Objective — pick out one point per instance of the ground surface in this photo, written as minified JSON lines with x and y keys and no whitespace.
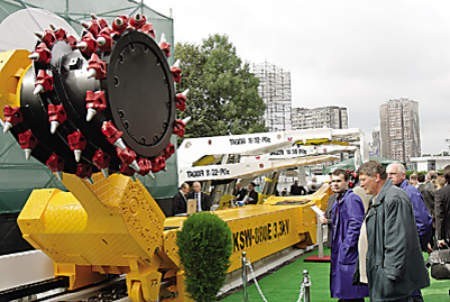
{"x":283,"y":285}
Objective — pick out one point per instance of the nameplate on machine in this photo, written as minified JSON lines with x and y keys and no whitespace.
{"x":260,"y":234}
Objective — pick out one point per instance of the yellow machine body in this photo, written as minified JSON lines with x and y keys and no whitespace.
{"x":114,"y":226}
{"x":13,"y":65}
{"x":111,"y":227}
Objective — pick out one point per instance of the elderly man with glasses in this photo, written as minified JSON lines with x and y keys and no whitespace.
{"x":397,"y":174}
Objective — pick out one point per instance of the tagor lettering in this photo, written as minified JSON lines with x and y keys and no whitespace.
{"x":237,"y":141}
{"x":194,"y":174}
{"x":208,"y":172}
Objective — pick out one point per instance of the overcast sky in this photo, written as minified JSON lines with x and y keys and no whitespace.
{"x":353,"y":53}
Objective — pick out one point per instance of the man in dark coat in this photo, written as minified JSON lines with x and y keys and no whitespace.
{"x":328,"y":221}
{"x":239,"y":192}
{"x":203,"y":199}
{"x":179,"y":200}
{"x":395,"y":265}
{"x":296,"y":189}
{"x":426,"y":188}
{"x":442,"y":212}
{"x":347,"y":214}
{"x":252,"y":196}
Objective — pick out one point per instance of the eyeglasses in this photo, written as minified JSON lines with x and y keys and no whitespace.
{"x":393,"y":173}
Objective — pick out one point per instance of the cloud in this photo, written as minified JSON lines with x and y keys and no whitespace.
{"x":354,"y":53}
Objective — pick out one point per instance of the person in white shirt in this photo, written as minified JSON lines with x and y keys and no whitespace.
{"x":203,"y":199}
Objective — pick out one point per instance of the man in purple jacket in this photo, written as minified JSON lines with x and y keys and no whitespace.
{"x":347,"y":214}
{"x":397,"y":173}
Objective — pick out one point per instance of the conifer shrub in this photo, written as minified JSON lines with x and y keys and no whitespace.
{"x":204,"y":247}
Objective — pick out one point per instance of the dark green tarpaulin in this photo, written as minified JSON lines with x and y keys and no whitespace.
{"x":18,"y":177}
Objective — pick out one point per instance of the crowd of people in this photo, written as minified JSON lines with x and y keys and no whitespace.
{"x":380,"y":228}
{"x":203,"y":202}
{"x":180,"y":200}
{"x":296,"y":189}
{"x":242,"y":195}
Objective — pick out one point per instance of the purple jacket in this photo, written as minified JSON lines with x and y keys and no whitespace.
{"x":347,"y":214}
{"x":421,"y":214}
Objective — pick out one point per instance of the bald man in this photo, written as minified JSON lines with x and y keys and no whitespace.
{"x":203,"y":199}
{"x":397,"y":173}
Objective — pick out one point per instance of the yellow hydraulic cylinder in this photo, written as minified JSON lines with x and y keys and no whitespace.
{"x":13,"y":65}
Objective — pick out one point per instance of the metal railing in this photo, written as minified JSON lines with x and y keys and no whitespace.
{"x":305,"y":284}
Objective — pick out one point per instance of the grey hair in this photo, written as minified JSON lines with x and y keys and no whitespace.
{"x":399,"y":167}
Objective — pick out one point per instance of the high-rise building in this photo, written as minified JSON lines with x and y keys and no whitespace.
{"x":400,"y":130}
{"x":275,"y":90}
{"x":375,"y":144}
{"x":324,"y":117}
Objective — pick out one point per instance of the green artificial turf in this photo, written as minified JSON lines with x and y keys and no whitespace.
{"x":283,"y":285}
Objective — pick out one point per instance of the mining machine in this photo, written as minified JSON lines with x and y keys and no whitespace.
{"x":98,"y":110}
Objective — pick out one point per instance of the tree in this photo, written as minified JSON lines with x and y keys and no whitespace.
{"x":223,"y":95}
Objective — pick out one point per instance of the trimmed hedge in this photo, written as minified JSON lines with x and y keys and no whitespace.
{"x":205,"y":247}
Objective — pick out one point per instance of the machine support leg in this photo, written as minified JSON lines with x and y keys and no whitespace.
{"x":320,"y":236}
{"x":244,"y":276}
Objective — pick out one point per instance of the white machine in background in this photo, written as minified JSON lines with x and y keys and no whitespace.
{"x":250,"y":155}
